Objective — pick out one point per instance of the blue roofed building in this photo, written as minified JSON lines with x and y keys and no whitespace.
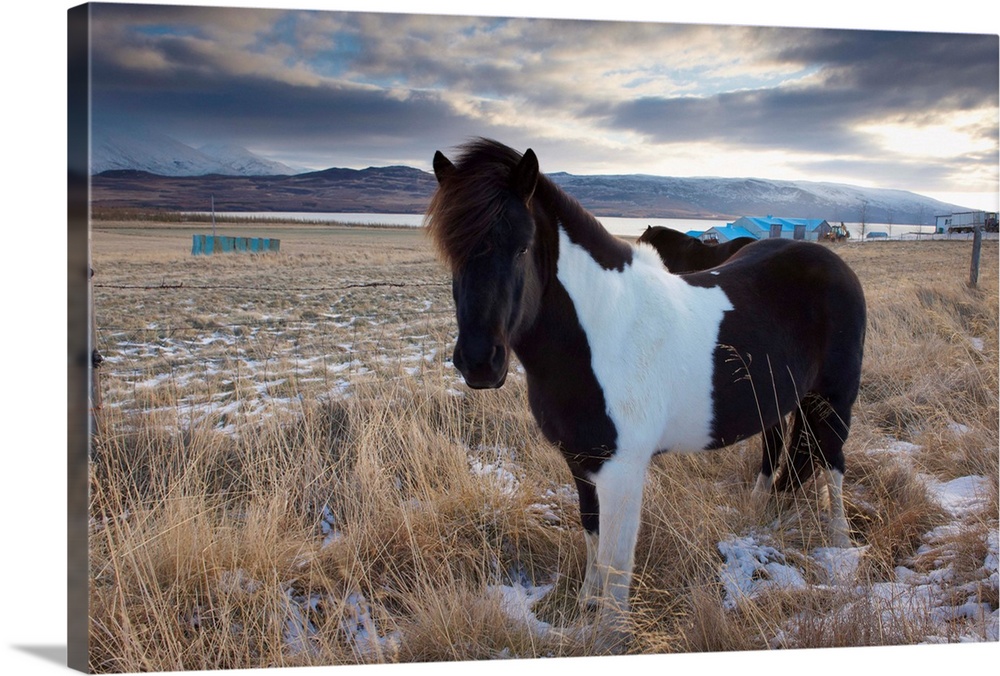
{"x":724,"y":234}
{"x":788,"y":228}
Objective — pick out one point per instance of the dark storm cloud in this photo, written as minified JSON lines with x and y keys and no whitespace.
{"x":861,"y":77}
{"x":793,"y":120}
{"x":256,"y":106}
{"x":934,"y":65}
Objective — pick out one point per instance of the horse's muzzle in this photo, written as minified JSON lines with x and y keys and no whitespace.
{"x":484,"y":365}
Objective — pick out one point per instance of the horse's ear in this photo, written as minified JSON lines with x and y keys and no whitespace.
{"x":525,"y":175}
{"x":443,"y":167}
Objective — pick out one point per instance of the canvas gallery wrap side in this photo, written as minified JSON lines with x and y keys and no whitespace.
{"x":380,"y":352}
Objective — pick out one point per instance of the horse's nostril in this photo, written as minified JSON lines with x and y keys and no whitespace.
{"x":499,"y":357}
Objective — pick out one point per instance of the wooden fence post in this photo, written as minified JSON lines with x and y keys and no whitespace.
{"x":95,"y":358}
{"x":977,"y":248}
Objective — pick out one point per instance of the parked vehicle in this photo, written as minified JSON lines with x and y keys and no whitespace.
{"x":967,"y":221}
{"x":837,"y":233}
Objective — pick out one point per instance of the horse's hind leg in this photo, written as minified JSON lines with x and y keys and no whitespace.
{"x":839,"y":528}
{"x":772,"y":446}
{"x":819,"y":434}
{"x":831,"y":431}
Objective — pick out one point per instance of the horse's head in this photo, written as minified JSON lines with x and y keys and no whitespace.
{"x":481,"y":221}
{"x":647,"y":234}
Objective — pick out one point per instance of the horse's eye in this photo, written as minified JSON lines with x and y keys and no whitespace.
{"x":522,"y":251}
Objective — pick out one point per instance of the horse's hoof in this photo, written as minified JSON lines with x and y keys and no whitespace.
{"x":568,"y":634}
{"x":596,"y":639}
{"x":841,"y":541}
{"x":760,"y":500}
{"x":610,"y":641}
{"x":589,"y":605}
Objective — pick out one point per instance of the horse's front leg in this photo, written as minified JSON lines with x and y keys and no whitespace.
{"x":619,"y":486}
{"x":590,"y":591}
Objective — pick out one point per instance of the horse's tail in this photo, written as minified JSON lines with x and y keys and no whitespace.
{"x":815,"y":427}
{"x":799,"y":466}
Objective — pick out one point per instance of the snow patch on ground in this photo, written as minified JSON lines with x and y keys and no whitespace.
{"x":933,"y":598}
{"x":305,"y":615}
{"x":752,"y":569}
{"x":962,"y":496}
{"x":516,"y":602}
{"x":496,"y":467}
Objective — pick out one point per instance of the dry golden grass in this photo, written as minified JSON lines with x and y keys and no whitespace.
{"x":287,"y":470}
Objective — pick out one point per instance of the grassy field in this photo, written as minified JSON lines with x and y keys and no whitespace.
{"x":288,"y":471}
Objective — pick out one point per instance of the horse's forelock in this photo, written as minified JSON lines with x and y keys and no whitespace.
{"x":469,"y":200}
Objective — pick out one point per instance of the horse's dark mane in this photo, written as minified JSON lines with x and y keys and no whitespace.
{"x":610,"y":252}
{"x":570,"y":211}
{"x":468,"y":202}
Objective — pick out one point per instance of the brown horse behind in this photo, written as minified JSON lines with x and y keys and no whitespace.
{"x":683,"y":253}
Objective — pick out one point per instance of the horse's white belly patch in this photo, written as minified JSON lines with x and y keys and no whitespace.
{"x":652,"y":337}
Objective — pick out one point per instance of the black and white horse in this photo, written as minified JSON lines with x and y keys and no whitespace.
{"x":625,"y":360}
{"x":683,"y":253}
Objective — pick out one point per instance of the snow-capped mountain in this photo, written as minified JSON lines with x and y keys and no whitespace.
{"x":243,"y":162}
{"x":642,"y":195}
{"x":160,"y":154}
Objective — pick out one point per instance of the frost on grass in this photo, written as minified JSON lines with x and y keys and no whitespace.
{"x":953,"y":605}
{"x":925,"y":592}
{"x":494,"y":466}
{"x":306,"y":618}
{"x":550,"y":507}
{"x":328,"y":527}
{"x":839,"y":565}
{"x":304,"y":625}
{"x":517,"y":600}
{"x":224,"y":375}
{"x":752,"y":569}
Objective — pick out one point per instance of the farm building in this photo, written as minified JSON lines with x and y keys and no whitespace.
{"x":790,"y":228}
{"x":724,"y":234}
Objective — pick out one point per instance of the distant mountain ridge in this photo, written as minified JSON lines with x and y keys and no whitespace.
{"x":156,"y":172}
{"x":722,"y":198}
{"x":372,"y":190}
{"x":113,"y":149}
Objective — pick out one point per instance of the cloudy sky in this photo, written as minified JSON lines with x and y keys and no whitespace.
{"x":314,"y":89}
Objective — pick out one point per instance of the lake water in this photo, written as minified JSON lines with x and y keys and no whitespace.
{"x":626,"y":227}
